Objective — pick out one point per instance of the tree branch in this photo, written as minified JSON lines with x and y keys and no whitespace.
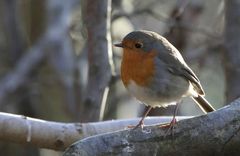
{"x":57,"y":28}
{"x":169,"y":21}
{"x":57,"y":135}
{"x":216,"y":133}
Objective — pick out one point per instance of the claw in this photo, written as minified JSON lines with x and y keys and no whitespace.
{"x":140,"y":124}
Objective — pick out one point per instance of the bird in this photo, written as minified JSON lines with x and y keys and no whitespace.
{"x":156,"y":74}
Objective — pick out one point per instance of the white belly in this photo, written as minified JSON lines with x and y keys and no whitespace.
{"x":149,"y":97}
{"x":146,"y":97}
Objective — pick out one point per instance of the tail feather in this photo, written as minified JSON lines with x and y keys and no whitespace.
{"x":203,"y":104}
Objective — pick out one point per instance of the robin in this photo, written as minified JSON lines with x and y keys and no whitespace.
{"x":154,"y":72}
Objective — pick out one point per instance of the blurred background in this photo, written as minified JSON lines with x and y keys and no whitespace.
{"x":57,"y":61}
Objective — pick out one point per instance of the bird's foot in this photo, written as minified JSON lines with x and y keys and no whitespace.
{"x":170,"y":127}
{"x":140,"y":124}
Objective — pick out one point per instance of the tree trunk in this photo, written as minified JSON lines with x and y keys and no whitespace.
{"x":232,"y":54}
{"x":96,"y":15}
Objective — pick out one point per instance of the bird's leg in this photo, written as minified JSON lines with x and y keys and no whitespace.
{"x":173,"y":121}
{"x":141,"y":124}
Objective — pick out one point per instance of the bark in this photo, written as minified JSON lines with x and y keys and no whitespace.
{"x":96,"y":15}
{"x":232,"y":54}
{"x":57,"y":135}
{"x":217,"y":133}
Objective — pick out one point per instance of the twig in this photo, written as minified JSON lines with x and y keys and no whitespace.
{"x":168,"y":21}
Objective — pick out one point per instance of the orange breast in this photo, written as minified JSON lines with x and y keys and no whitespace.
{"x":137,"y":66}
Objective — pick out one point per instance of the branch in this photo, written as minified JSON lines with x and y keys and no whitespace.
{"x":217,"y":133}
{"x":168,"y":21}
{"x":57,"y":135}
{"x":17,"y":77}
{"x":57,"y":27}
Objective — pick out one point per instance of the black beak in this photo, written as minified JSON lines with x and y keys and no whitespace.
{"x":118,"y":45}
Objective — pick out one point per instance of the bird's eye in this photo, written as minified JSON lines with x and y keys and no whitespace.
{"x":138,"y":45}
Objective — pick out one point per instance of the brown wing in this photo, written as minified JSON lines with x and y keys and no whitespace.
{"x":188,"y":73}
{"x":175,"y":63}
